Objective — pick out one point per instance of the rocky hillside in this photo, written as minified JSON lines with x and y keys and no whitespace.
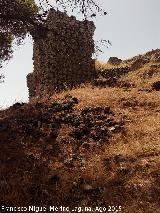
{"x":96,"y":146}
{"x":139,"y":72}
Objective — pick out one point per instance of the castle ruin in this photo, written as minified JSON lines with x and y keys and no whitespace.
{"x":63,"y":58}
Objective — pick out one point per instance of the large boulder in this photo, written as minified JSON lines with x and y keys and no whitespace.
{"x":114,"y":61}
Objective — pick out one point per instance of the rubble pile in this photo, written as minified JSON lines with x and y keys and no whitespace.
{"x":117,"y":73}
{"x":154,"y":55}
{"x":110,"y":77}
{"x":139,"y":63}
{"x":63,"y":58}
{"x":151,"y":71}
{"x":92,"y":125}
{"x":140,"y":60}
{"x":98,"y":148}
{"x":114,"y":61}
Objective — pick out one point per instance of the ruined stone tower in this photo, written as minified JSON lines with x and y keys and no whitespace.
{"x":63,"y":58}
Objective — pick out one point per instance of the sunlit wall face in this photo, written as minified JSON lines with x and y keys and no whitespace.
{"x":131,"y":26}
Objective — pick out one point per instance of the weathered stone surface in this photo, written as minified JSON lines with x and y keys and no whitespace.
{"x":137,"y":64}
{"x":114,"y":61}
{"x":115,"y":72}
{"x":156,"y":86}
{"x":110,"y":77}
{"x":62,"y":59}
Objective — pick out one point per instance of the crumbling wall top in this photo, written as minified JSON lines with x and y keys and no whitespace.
{"x":58,"y":20}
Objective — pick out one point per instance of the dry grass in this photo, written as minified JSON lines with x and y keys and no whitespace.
{"x":103,"y":65}
{"x":141,"y":141}
{"x":133,"y":182}
{"x":140,"y":78}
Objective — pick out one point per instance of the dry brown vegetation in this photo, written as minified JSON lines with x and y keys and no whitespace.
{"x":47,"y":160}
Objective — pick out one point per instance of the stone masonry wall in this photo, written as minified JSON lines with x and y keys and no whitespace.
{"x":63,"y":58}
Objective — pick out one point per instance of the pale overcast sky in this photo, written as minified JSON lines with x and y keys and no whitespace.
{"x":131,"y":25}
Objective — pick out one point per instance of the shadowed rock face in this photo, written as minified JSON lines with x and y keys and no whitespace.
{"x":114,"y":61}
{"x":64,"y":57}
{"x":156,"y":86}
